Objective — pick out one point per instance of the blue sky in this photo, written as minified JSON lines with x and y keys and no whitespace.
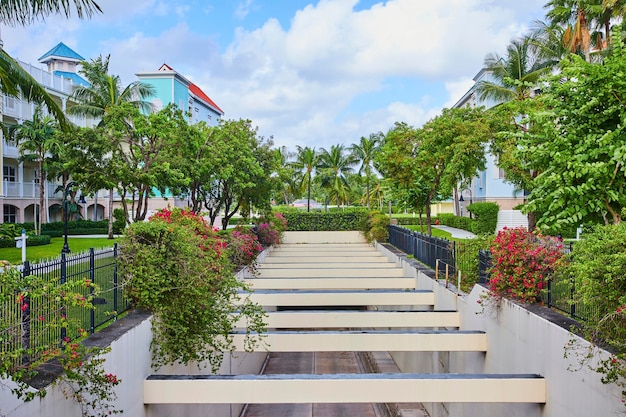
{"x":309,"y":73}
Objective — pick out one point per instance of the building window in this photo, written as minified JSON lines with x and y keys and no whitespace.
{"x":209,"y":117}
{"x":10,"y":214}
{"x":8,"y":173}
{"x":10,"y":102}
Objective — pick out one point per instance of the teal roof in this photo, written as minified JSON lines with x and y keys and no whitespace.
{"x":76,"y":79}
{"x":63,"y":51}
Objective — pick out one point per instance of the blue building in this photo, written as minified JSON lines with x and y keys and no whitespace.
{"x":173,"y":88}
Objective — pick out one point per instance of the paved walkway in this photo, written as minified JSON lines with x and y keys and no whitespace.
{"x":457,"y":233}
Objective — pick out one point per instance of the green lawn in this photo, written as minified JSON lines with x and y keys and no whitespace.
{"x":53,"y":250}
{"x":436,"y":232}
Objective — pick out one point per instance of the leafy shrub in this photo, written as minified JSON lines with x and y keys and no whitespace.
{"x":270,"y":228}
{"x":486,"y":215}
{"x":375,"y":227}
{"x":243,"y":246}
{"x":119,"y":221}
{"x":323,"y":221}
{"x":522,"y":262}
{"x":459,"y":222}
{"x":33,"y":240}
{"x":175,"y":266}
{"x":597,"y":268}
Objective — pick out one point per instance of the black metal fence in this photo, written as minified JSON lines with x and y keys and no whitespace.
{"x":431,"y":251}
{"x":560,"y":294}
{"x":27,"y":326}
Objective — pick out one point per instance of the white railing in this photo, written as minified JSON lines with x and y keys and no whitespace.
{"x":28,"y":189}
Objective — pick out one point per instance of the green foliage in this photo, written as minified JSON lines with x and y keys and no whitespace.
{"x":597,"y":269}
{"x":486,"y":215}
{"x":33,"y":240}
{"x":119,"y":224}
{"x":175,"y":266}
{"x":578,"y":143}
{"x":467,"y":258}
{"x":426,"y":164}
{"x":375,"y":227}
{"x":459,"y":222}
{"x":322,"y":221}
{"x":75,"y":227}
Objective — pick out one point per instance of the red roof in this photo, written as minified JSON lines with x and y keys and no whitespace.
{"x":196,"y":91}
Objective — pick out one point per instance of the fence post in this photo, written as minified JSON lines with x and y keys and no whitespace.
{"x":572,"y":308}
{"x":115,"y":289}
{"x":549,"y":292}
{"x":63,"y":308}
{"x":25,"y":318}
{"x":92,"y":279}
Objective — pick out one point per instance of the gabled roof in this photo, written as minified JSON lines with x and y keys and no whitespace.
{"x":63,"y":51}
{"x":196,"y":91}
{"x":76,"y":79}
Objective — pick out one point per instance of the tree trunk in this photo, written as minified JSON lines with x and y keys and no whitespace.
{"x":110,"y":213}
{"x":42,"y":195}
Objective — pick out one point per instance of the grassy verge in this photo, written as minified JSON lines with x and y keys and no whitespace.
{"x":53,"y":250}
{"x":436,"y":232}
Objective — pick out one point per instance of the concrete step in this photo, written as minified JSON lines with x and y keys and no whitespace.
{"x":328,"y":252}
{"x":372,"y":258}
{"x":368,"y":341}
{"x":380,"y":263}
{"x":276,"y":298}
{"x":308,"y":319}
{"x":324,"y":272}
{"x":314,"y":248}
{"x":343,"y":388}
{"x":330,"y":283}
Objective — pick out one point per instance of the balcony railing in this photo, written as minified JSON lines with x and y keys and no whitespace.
{"x":29,"y":189}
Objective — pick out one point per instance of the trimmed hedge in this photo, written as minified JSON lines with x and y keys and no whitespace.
{"x":465,"y":223}
{"x":324,"y":221}
{"x":33,"y":240}
{"x":486,"y":214}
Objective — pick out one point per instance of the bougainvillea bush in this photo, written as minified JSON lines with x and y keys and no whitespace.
{"x":522,"y":261}
{"x":176,"y":267}
{"x":243,"y":246}
{"x":39,"y":304}
{"x":270,"y":229}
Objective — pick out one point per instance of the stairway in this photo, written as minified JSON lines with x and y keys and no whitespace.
{"x":332,"y":292}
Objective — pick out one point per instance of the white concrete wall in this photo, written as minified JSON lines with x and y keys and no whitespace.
{"x":519,"y":342}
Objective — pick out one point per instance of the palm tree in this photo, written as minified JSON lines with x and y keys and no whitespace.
{"x":365,"y":151}
{"x":577,"y":16}
{"x":14,"y":80}
{"x":334,"y":165}
{"x":103,"y":94}
{"x":306,"y":161}
{"x":37,"y":140}
{"x":514,"y":75}
{"x":22,"y":13}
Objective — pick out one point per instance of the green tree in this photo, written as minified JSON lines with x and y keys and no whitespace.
{"x":36,"y":139}
{"x":365,"y":152}
{"x":427,"y":163}
{"x":103,"y":94}
{"x":335,"y":164}
{"x":578,"y":141}
{"x":306,"y":162}
{"x":238,"y":171}
{"x":145,"y":145}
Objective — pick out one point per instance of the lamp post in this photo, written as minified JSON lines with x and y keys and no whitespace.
{"x":67,"y":194}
